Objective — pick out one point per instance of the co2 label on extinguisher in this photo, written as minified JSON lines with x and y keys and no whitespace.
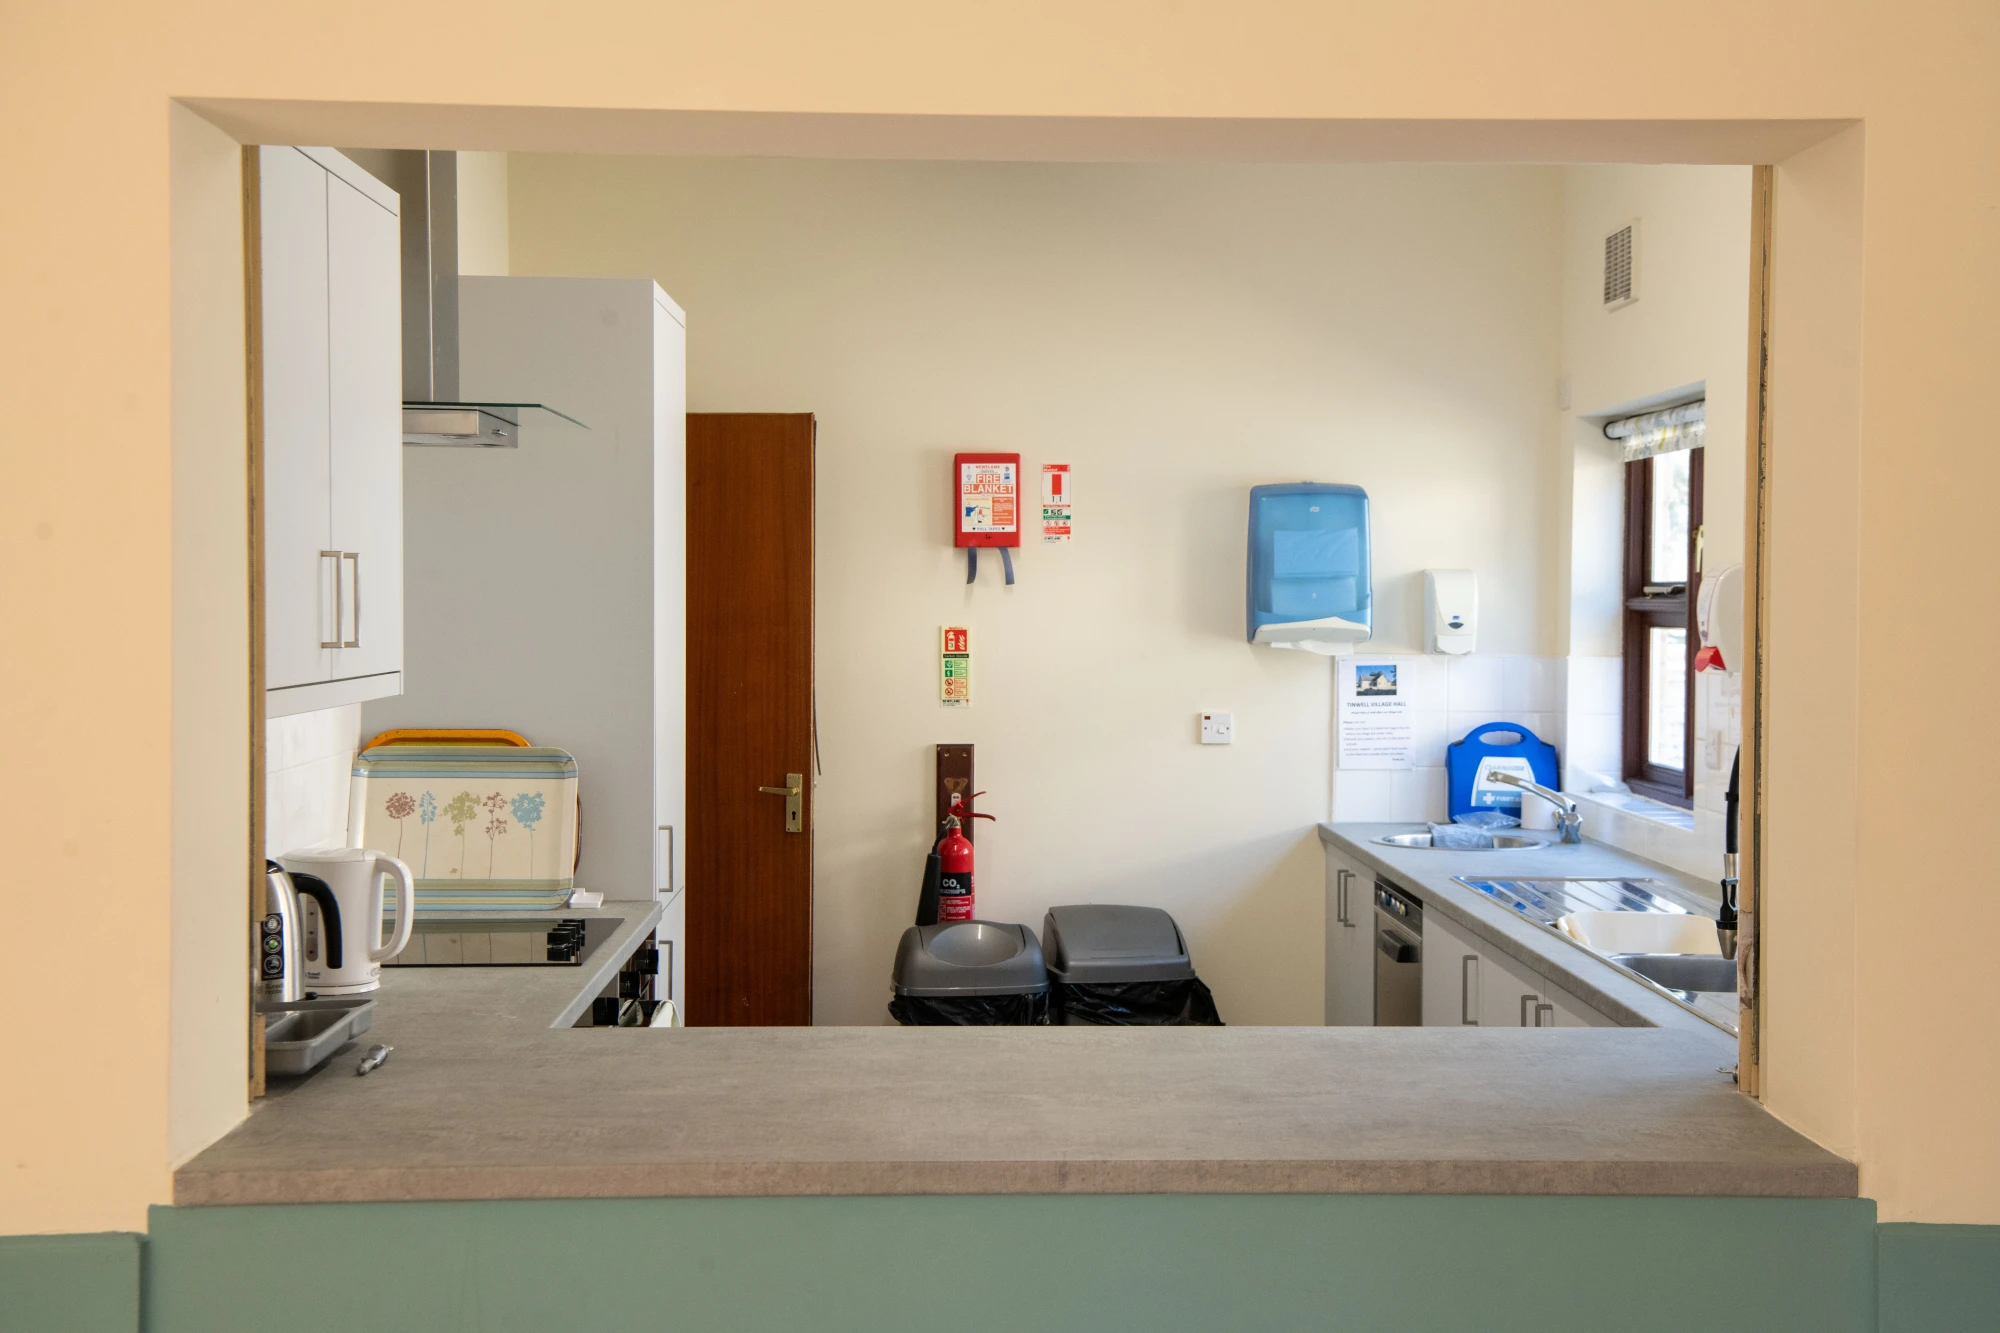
{"x":955,"y":666}
{"x":955,"y":895}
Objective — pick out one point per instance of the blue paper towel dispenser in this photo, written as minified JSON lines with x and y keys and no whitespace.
{"x":1309,"y":567}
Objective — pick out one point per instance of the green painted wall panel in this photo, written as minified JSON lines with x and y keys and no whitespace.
{"x":1018,"y":1264}
{"x":1938,"y":1279}
{"x":70,"y":1284}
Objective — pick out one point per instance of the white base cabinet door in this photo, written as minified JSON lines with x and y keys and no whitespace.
{"x":1471,"y":984}
{"x":1350,"y":943}
{"x":1453,"y":967}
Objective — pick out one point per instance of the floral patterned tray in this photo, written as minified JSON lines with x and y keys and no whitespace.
{"x":482,"y":828}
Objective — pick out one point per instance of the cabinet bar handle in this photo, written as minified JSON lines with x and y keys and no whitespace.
{"x":1468,"y":967}
{"x":338,"y":599}
{"x":354,"y":642}
{"x":1527,"y":1000}
{"x":1545,"y":1008}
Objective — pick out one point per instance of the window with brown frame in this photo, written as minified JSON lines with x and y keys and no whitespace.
{"x":1662,"y":577}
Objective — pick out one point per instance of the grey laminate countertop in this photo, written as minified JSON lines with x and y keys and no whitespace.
{"x":484,"y":1100}
{"x":1429,"y":874}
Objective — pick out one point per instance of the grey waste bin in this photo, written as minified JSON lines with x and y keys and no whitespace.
{"x":1124,"y":967}
{"x":970,"y":974}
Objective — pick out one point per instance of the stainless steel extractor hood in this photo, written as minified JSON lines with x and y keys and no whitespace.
{"x":433,"y":412}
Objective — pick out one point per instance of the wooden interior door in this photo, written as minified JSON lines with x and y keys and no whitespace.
{"x":749,"y":718}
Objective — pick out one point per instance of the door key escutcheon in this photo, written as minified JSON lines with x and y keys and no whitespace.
{"x":795,"y":785}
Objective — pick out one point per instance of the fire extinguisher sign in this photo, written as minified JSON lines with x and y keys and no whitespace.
{"x":955,"y":666}
{"x":1056,"y":504}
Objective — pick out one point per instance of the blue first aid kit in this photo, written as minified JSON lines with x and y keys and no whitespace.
{"x":1470,"y":764}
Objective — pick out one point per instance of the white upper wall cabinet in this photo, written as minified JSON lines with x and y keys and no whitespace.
{"x":333,"y":469}
{"x":292,"y":232}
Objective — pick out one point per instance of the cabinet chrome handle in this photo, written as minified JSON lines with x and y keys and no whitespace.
{"x":1346,"y":904}
{"x":1527,"y":1000}
{"x":1468,"y":967}
{"x":339,"y":599}
{"x":354,"y":642}
{"x":1545,"y":1008}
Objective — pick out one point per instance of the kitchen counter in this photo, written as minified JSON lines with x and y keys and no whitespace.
{"x":485,"y":1099}
{"x":1430,"y":876}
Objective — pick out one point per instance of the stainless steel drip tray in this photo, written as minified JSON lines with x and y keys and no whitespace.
{"x":1547,"y":901}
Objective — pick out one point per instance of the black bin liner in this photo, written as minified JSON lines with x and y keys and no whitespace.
{"x":1185,"y":1002}
{"x":971,"y":1011}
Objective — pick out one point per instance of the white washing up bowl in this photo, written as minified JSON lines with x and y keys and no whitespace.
{"x":1641,"y":932}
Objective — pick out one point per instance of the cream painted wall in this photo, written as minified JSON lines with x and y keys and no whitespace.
{"x":1178,"y":334}
{"x":1812,"y":903}
{"x":208,"y":985}
{"x":1689,"y":326}
{"x":86,"y":269}
{"x":482,"y":214}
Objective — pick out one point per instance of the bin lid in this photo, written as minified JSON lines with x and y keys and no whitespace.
{"x":1107,"y":942}
{"x":969,"y":958}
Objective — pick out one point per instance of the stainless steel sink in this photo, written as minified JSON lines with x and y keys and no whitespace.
{"x":1502,"y":842}
{"x":1682,"y":971}
{"x":1634,"y":925}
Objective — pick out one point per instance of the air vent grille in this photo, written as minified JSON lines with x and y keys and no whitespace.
{"x":1618,"y":284}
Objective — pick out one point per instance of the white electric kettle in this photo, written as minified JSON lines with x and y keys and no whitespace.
{"x":341,"y":950}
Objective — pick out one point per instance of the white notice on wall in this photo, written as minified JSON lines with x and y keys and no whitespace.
{"x":1057,"y":513}
{"x":1376,"y":730}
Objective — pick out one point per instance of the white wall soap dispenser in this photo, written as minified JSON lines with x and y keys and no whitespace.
{"x":1451,"y":611}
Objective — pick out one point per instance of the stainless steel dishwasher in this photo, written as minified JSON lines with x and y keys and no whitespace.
{"x":1399,"y":958}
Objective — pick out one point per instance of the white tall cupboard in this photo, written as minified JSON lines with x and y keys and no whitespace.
{"x":332,"y":489}
{"x":548,"y":582}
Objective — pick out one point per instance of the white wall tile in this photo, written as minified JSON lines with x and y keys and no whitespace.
{"x":284,"y":741}
{"x":1457,"y":723}
{"x":1363,"y":795}
{"x":1596,"y":684}
{"x":309,"y":760}
{"x":1596,"y":743}
{"x":1476,"y":684}
{"x":1428,"y":731}
{"x":1546,"y":726}
{"x":1422,"y":680}
{"x":1531,"y":684}
{"x":1424,"y":795}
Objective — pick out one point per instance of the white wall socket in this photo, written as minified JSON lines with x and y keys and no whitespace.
{"x":1218,"y":728}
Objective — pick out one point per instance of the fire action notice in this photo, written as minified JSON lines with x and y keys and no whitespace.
{"x":955,"y":666}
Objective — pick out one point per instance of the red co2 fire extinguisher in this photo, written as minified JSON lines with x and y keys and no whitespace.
{"x":954,"y":901}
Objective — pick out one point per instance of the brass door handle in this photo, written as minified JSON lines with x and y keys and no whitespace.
{"x":794,"y":811}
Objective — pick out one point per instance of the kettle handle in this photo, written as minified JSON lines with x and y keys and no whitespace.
{"x":406,"y":907}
